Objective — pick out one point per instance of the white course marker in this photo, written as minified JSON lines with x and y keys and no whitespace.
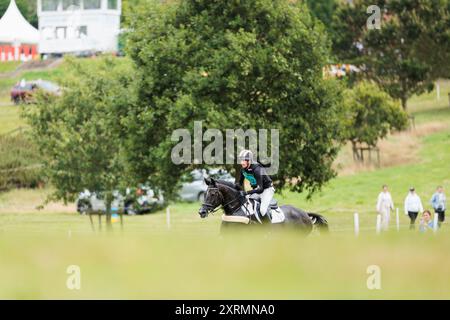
{"x":435,"y":223}
{"x":438,"y":91}
{"x":168,"y":217}
{"x":388,"y":221}
{"x":378,"y":226}
{"x":397,"y":219}
{"x":356,"y":223}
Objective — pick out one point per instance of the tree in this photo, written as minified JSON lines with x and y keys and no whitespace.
{"x":78,"y":133}
{"x":232,"y":64}
{"x":432,"y":34}
{"x":323,"y":10}
{"x":127,"y":9}
{"x":370,"y":114}
{"x":393,"y":55}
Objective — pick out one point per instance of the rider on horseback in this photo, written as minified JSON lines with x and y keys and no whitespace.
{"x":259,"y":180}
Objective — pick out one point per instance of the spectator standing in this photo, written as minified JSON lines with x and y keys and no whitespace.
{"x":384,"y":206}
{"x":413,"y":205}
{"x":438,"y":202}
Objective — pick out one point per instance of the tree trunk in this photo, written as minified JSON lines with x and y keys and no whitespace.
{"x":108,"y":200}
{"x":404,"y":103}
{"x":356,"y":157}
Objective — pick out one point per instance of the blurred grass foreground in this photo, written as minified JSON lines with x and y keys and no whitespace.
{"x":192,"y":261}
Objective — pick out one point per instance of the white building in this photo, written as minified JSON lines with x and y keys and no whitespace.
{"x":75,"y":26}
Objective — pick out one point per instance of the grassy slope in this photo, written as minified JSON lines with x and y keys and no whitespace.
{"x":190,"y":261}
{"x":6,"y":67}
{"x":10,"y":119}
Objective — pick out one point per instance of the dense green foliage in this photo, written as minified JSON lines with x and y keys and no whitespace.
{"x":429,"y":23}
{"x":76,"y":133}
{"x":323,"y":10}
{"x":234,"y":64}
{"x":371,"y":114}
{"x":401,"y":55}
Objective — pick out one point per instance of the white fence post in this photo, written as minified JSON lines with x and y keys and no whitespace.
{"x":388,"y":220}
{"x":356,"y":223}
{"x":168,"y":217}
{"x":378,"y":226}
{"x":438,"y":91}
{"x":435,"y":223}
{"x":397,"y":219}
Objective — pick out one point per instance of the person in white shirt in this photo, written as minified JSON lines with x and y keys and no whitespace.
{"x":413,"y":205}
{"x":384,"y":206}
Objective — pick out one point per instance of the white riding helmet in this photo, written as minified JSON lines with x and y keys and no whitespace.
{"x":246,"y":155}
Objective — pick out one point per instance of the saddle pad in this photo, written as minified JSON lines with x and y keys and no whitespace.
{"x":250,"y":207}
{"x":277,"y":215}
{"x":237,"y":219}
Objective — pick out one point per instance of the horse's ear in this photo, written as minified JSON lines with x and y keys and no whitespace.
{"x":213,"y":182}
{"x":208,"y":181}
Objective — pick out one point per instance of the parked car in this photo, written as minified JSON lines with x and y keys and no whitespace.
{"x":194,"y":187}
{"x":135,"y":201}
{"x":144,"y":199}
{"x":24,"y":90}
{"x":95,"y":201}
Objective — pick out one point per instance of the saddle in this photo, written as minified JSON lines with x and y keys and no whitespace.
{"x":252,"y":209}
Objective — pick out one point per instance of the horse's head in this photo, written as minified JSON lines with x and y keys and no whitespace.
{"x":213,"y":198}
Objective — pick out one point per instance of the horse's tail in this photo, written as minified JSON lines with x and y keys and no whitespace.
{"x":319,"y":221}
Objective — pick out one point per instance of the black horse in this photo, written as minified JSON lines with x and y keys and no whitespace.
{"x":223,"y":194}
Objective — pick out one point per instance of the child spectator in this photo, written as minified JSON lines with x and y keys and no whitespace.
{"x":426,"y":223}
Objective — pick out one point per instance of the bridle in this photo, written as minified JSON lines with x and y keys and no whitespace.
{"x":210,"y":208}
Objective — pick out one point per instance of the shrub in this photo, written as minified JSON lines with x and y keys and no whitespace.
{"x":19,"y":162}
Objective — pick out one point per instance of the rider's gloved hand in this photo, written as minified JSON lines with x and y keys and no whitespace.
{"x":242,"y":193}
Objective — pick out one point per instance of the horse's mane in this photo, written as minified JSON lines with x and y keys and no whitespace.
{"x":227,"y":183}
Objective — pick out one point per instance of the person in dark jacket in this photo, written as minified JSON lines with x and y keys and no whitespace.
{"x":256,"y":175}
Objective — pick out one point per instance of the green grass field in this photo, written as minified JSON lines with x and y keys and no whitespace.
{"x":10,"y":66}
{"x":191,"y":260}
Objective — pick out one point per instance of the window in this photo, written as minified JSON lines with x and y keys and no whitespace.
{"x":112,"y":4}
{"x":92,"y":4}
{"x":71,"y":4}
{"x":48,"y":33}
{"x":60,"y":32}
{"x":82,"y":32}
{"x":49,"y":5}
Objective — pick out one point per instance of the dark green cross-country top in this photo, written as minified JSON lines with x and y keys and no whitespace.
{"x":257,"y":176}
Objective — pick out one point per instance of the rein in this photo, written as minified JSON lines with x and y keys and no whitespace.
{"x":213,"y":210}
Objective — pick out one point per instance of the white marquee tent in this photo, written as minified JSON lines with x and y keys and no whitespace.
{"x":15,"y":29}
